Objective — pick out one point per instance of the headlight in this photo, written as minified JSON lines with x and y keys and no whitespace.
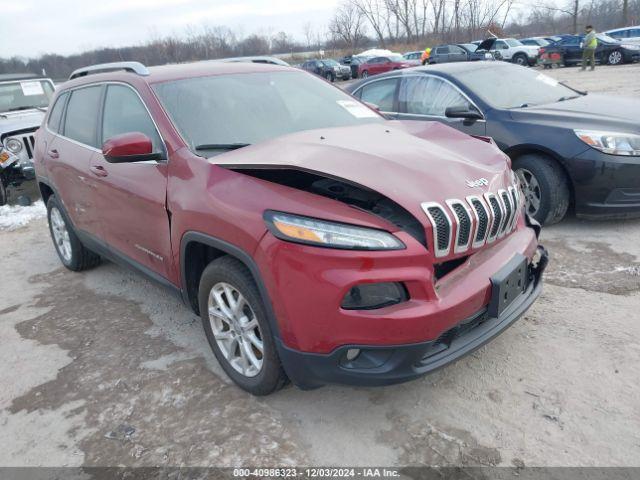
{"x":614,"y":143}
{"x":311,"y":231}
{"x":13,"y":145}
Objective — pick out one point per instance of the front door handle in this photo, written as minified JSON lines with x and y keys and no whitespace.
{"x":98,"y":171}
{"x":53,"y":153}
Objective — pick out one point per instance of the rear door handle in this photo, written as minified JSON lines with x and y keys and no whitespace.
{"x":98,"y":171}
{"x":53,"y":153}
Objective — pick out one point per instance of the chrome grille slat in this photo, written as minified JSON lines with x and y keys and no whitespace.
{"x":508,"y":211}
{"x":483,"y":217}
{"x":496,"y":213}
{"x":462,"y":218}
{"x":442,"y":227}
{"x":514,"y":202}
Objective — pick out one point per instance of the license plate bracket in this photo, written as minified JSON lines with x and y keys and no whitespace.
{"x":508,"y":284}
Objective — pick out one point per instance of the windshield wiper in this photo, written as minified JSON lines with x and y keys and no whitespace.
{"x":221,"y":146}
{"x":562,"y":99}
{"x":26,"y":107}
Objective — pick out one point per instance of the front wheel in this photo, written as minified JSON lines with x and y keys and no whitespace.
{"x":615,"y":58}
{"x":365,"y":74}
{"x":545,"y":187}
{"x":72,"y":253}
{"x":237,"y":328}
{"x":330,"y":78}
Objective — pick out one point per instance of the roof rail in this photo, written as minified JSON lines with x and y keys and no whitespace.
{"x":134,"y":67}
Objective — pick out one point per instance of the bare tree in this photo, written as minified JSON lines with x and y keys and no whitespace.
{"x":348,"y":25}
{"x":375,"y":12}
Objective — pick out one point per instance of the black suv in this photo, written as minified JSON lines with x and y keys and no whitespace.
{"x":329,"y":69}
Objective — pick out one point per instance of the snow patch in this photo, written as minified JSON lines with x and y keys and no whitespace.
{"x":13,"y":217}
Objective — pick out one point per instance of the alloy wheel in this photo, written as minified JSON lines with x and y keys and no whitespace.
{"x":615,"y":57}
{"x":60,"y":234}
{"x":365,"y":74}
{"x":236,"y":329}
{"x":531,"y":190}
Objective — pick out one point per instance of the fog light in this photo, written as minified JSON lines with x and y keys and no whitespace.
{"x":368,"y":296}
{"x":352,"y":354}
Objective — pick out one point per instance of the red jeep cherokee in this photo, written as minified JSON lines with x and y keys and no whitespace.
{"x":318,"y":241}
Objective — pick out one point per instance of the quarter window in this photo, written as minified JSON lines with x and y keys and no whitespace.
{"x":428,"y":95}
{"x":381,"y":92}
{"x":124,"y":112}
{"x":82,"y":115}
{"x":56,"y":113}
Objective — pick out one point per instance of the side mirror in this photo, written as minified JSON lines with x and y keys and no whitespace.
{"x":129,"y":147}
{"x":462,"y":111}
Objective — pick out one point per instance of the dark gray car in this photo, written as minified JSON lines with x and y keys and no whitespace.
{"x":460,"y":52}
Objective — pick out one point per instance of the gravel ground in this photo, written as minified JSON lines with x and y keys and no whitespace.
{"x":104,"y":368}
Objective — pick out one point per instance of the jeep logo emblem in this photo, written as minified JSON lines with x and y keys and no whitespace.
{"x":480,"y":182}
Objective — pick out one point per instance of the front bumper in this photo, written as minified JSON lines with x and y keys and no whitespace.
{"x":606,"y":186}
{"x":385,"y":365}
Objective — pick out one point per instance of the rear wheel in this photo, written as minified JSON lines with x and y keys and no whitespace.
{"x":615,"y":58}
{"x":72,"y":253}
{"x":365,"y":74}
{"x":237,"y":328}
{"x":545,"y":187}
{"x":520,"y":59}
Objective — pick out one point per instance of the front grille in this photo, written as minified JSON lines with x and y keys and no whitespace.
{"x":28,"y":143}
{"x":481,"y":219}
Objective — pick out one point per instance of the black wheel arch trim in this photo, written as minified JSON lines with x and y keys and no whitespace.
{"x":237,"y":253}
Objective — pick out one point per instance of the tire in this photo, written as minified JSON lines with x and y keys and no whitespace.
{"x":3,"y":192}
{"x":72,"y":253}
{"x":217,"y":276}
{"x":520,"y":59}
{"x":365,"y":74}
{"x":615,"y":58}
{"x":553,"y":193}
{"x":330,"y":77}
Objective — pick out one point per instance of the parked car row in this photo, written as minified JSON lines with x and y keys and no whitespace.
{"x":567,"y":51}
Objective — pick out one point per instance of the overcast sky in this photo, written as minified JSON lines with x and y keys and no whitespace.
{"x":33,"y":27}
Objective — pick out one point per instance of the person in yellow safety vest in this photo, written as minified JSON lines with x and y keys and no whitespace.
{"x":589,"y":45}
{"x":424,"y":58}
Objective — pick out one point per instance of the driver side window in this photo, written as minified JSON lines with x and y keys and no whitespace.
{"x":124,"y":112}
{"x":428,"y":95}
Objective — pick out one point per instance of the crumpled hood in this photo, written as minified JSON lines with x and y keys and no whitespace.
{"x":409,"y":162}
{"x":12,"y":121}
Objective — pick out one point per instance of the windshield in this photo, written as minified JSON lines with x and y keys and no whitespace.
{"x":519,"y":87}
{"x":472,"y":47}
{"x":24,"y":95}
{"x":331,"y":63}
{"x":226,"y":111}
{"x":512,"y":42}
{"x":396,"y":58}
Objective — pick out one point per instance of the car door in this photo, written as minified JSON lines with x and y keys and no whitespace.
{"x":426,"y":97}
{"x":571,"y":51}
{"x":70,"y":152}
{"x":383,"y":93}
{"x":132,"y":196}
{"x":442,"y":54}
{"x":503,"y":48}
{"x":457,"y":54}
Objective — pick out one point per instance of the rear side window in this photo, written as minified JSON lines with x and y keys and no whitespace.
{"x":82,"y":115}
{"x":381,"y":92}
{"x":56,"y":113}
{"x":442,"y":50}
{"x":427,"y":95}
{"x":124,"y":112}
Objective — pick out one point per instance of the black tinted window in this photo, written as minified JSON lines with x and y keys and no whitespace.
{"x":82,"y":115}
{"x":124,"y":112}
{"x":442,"y":50}
{"x":56,"y":113}
{"x":381,"y":93}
